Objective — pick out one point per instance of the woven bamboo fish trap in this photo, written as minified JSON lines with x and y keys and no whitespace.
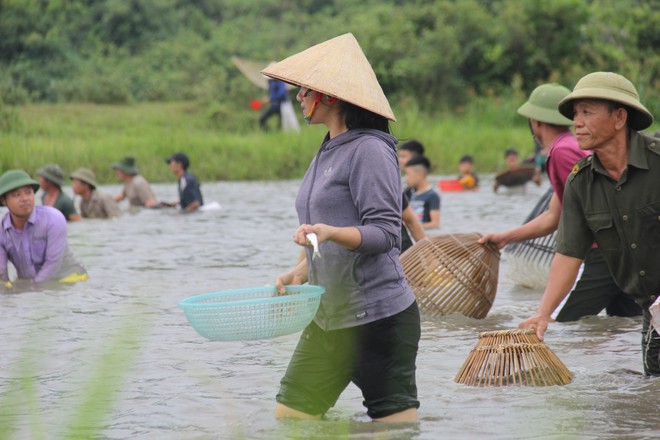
{"x":529,"y":260}
{"x":512,"y":357}
{"x":452,"y":273}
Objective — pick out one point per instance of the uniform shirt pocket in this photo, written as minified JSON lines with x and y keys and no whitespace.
{"x":602,"y":225}
{"x":649,"y":221}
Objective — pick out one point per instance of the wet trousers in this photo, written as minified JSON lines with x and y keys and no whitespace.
{"x":595,"y":291}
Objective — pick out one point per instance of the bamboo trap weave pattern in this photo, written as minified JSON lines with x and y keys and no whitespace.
{"x":452,"y":273}
{"x":529,"y":260}
{"x":512,"y":357}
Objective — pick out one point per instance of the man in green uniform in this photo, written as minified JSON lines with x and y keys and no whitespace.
{"x":51,"y":181}
{"x":93,"y":204}
{"x":612,"y":198}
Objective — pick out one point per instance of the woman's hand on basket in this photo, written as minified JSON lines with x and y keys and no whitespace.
{"x":498,"y":239}
{"x":287,"y":279}
{"x":538,"y":323}
{"x":297,"y":275}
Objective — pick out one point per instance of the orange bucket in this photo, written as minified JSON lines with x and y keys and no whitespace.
{"x":450,"y":185}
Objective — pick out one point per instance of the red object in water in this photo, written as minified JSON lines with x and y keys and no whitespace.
{"x":450,"y":185}
{"x":255,"y":105}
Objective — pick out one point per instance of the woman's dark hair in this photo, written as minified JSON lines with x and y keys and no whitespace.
{"x":357,"y":117}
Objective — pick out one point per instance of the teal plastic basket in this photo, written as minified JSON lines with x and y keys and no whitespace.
{"x":250,"y":314}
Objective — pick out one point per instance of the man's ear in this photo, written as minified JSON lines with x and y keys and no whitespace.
{"x":621,"y":115}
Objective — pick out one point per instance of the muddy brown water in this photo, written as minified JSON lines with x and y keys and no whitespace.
{"x":180,"y":386}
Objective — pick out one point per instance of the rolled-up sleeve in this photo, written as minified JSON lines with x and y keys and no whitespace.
{"x":56,"y":245}
{"x":375,"y":187}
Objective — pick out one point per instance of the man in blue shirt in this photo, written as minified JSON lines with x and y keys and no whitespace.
{"x":190,"y":196}
{"x":276,"y":96}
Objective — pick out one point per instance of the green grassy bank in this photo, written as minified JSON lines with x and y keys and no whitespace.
{"x":227,"y":145}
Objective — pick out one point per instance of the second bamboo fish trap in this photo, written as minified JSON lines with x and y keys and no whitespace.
{"x":512,"y":357}
{"x":452,"y":273}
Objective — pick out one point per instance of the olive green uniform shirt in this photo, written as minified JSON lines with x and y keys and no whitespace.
{"x":99,"y":205}
{"x":622,"y":217}
{"x":63,"y":203}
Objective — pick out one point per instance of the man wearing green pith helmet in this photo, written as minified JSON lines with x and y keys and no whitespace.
{"x":611,"y":197}
{"x":596,"y":290}
{"x":33,"y":238}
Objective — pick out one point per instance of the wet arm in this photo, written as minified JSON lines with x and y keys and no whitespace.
{"x":542,"y":225}
{"x":413,"y":224}
{"x":192,"y":206}
{"x":146,"y":195}
{"x":434,"y":222}
{"x":563,"y":272}
{"x":297,"y":275}
{"x":150,"y":203}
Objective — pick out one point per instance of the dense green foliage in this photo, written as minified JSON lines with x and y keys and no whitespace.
{"x":435,"y":53}
{"x":92,"y":135}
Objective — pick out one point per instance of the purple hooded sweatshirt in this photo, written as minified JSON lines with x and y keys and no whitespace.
{"x":354,"y":181}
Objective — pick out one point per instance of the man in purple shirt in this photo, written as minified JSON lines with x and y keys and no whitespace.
{"x":33,"y":238}
{"x":596,"y":289}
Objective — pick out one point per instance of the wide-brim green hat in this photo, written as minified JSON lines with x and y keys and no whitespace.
{"x":127,"y":165}
{"x":85,"y":175}
{"x":53,"y":173}
{"x":610,"y":87}
{"x":14,"y":179}
{"x":543,"y":102}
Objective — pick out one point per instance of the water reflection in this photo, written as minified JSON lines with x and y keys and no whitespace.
{"x":183,"y":387}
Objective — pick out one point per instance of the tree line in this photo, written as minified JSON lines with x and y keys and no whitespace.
{"x":434,"y":54}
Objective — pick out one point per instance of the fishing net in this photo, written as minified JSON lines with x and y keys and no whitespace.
{"x":529,"y":260}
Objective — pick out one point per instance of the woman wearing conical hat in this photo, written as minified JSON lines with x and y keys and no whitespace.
{"x":367,"y":328}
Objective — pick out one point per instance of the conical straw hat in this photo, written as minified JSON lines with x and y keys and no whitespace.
{"x":338,"y":68}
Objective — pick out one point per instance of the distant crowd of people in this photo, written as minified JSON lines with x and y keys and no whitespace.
{"x":34,"y":237}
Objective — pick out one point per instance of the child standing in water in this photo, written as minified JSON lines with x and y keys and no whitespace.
{"x":424,"y":200}
{"x":467,"y":177}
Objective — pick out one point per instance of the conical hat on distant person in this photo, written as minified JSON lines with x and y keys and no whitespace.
{"x":251,"y":69}
{"x":337,"y":68}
